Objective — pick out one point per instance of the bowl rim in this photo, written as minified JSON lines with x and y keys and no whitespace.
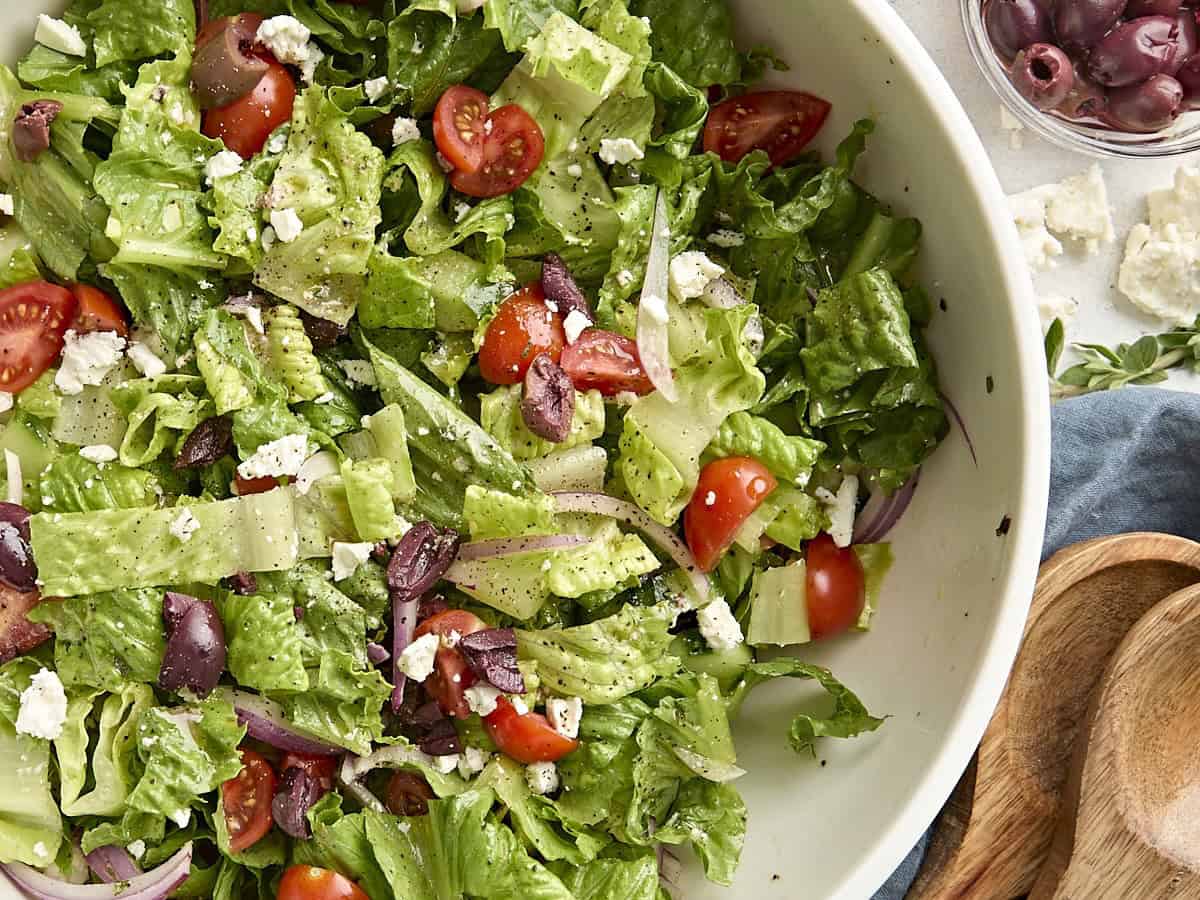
{"x":1028,"y":515}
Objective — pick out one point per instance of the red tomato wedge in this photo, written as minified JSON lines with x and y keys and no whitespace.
{"x":460,"y":127}
{"x":243,"y":486}
{"x":98,"y":311}
{"x":524,"y":327}
{"x":727,"y":492}
{"x":451,"y":673}
{"x":246,"y":123}
{"x":527,"y":738}
{"x":605,"y":361}
{"x":780,"y":122}
{"x":313,"y":883}
{"x":835,"y":587}
{"x":514,"y":148}
{"x":246,"y":800}
{"x":322,"y":768}
{"x":34,"y":316}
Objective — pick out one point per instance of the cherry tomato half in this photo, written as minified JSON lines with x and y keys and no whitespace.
{"x":408,"y":794}
{"x":246,"y":123}
{"x":451,"y":675}
{"x":524,"y":327}
{"x":527,"y":738}
{"x":835,"y":587}
{"x":321,"y":768}
{"x":513,"y":150}
{"x":98,"y":311}
{"x":727,"y":492}
{"x":605,"y":361}
{"x":779,"y":122}
{"x":243,"y":486}
{"x":460,"y":127}
{"x":246,"y":800}
{"x":34,"y":316}
{"x":313,"y":883}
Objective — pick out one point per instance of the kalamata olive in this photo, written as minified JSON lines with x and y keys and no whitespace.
{"x":224,"y":68}
{"x":548,"y":400}
{"x":441,"y":739}
{"x":1015,"y":24}
{"x":492,"y":655}
{"x":17,"y":634}
{"x":558,"y":284}
{"x":1086,"y":99}
{"x":1043,"y":75}
{"x":1189,"y":77}
{"x":408,"y":794}
{"x":1146,"y":107}
{"x":1133,"y":51}
{"x":17,"y":568}
{"x":243,"y":583}
{"x":1079,"y":24}
{"x":1137,"y":8}
{"x":322,"y":332}
{"x":298,"y":792}
{"x":421,"y":557}
{"x":1187,"y":42}
{"x":195,"y":653}
{"x":208,"y":442}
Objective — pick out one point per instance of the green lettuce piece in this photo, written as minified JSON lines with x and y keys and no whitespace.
{"x":331,"y":176}
{"x":661,"y":442}
{"x":130,"y":31}
{"x":169,"y":301}
{"x":340,"y":842}
{"x":888,"y":243}
{"x":611,"y":20}
{"x":450,"y":358}
{"x":515,"y":585}
{"x":343,"y":703}
{"x":160,"y":412}
{"x":391,"y":441}
{"x":106,"y":640}
{"x":778,"y":611}
{"x":606,"y":879}
{"x":369,"y":486}
{"x":71,"y":483}
{"x":500,"y":415}
{"x":236,"y":213}
{"x":29,"y":817}
{"x":447,"y":290}
{"x":332,"y":621}
{"x":790,"y":458}
{"x":605,"y":660}
{"x":685,"y":110}
{"x":519,"y":20}
{"x":634,"y":207}
{"x":794,"y":517}
{"x":40,"y":399}
{"x":18,"y":259}
{"x":876,"y":560}
{"x":51,"y":70}
{"x":491,"y":513}
{"x":693,"y":37}
{"x":712,"y":818}
{"x":603,"y":764}
{"x":255,"y":621}
{"x":113,"y":756}
{"x":612,"y":560}
{"x":89,"y":552}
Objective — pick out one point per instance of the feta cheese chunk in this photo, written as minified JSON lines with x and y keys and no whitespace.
{"x":348,"y":557}
{"x":1053,"y":307}
{"x":564,"y":715}
{"x":416,"y":660}
{"x":376,"y":87}
{"x":481,"y":698}
{"x":58,"y":35}
{"x":405,"y":130}
{"x":574,"y":325}
{"x":181,"y":817}
{"x":1029,"y":214}
{"x":287,"y":224}
{"x":1161,"y":273}
{"x":542,"y":777}
{"x":656,"y":308}
{"x":6,"y":401}
{"x":620,"y":150}
{"x":13,"y":477}
{"x":1078,"y":209}
{"x":690,"y":274}
{"x":98,"y":453}
{"x":359,"y":371}
{"x":841,"y":508}
{"x":145,"y":360}
{"x":87,"y":358}
{"x":308,"y":68}
{"x":137,"y":849}
{"x":575,"y":170}
{"x":222,"y":165}
{"x":6,"y":204}
{"x":282,"y":456}
{"x":43,"y":708}
{"x":473,"y":760}
{"x":718,"y":626}
{"x":1178,"y":205}
{"x":184,"y":525}
{"x":286,"y":37}
{"x":447,"y":763}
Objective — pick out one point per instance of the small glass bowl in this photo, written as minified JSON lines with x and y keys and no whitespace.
{"x":1183,"y":136}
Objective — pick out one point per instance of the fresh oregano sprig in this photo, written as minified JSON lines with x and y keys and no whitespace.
{"x":1145,"y":361}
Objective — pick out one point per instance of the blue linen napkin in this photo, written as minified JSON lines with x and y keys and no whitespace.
{"x":1127,"y":460}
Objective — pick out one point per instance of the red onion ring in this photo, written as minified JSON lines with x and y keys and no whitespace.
{"x":890,"y":515}
{"x":404,"y":623}
{"x":153,"y":885}
{"x":112,"y":864}
{"x":264,"y":720}
{"x":961,"y":425}
{"x":499,"y":547}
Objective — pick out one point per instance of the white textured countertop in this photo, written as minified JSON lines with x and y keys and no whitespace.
{"x":1105,"y":316}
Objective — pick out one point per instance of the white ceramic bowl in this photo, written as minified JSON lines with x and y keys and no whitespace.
{"x":952,"y":613}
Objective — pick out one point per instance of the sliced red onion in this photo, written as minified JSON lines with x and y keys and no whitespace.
{"x":153,"y":885}
{"x":377,"y":653}
{"x":265,"y":721}
{"x":499,"y":547}
{"x":665,"y":538}
{"x":962,"y":426}
{"x":652,"y":337}
{"x":888,"y":517}
{"x":404,"y":623}
{"x":866,"y":524}
{"x":112,"y":864}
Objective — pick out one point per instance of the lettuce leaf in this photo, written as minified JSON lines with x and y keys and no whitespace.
{"x":29,"y":817}
{"x":500,"y":415}
{"x":114,"y":764}
{"x":71,"y":483}
{"x":255,"y":621}
{"x":607,"y":879}
{"x":789,"y":457}
{"x":125,"y":30}
{"x":519,"y":20}
{"x":693,"y":37}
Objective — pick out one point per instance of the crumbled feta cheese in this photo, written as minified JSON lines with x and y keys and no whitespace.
{"x":137,"y":849}
{"x":308,"y":68}
{"x":710,"y":498}
{"x":461,"y":211}
{"x":359,"y":371}
{"x":1178,"y":205}
{"x":43,"y":707}
{"x":376,"y":87}
{"x":1053,"y":307}
{"x":564,"y":715}
{"x":542,"y":777}
{"x":718,"y":626}
{"x":690,"y":273}
{"x":252,"y":233}
{"x":416,"y":660}
{"x":58,"y":35}
{"x":405,"y":130}
{"x":282,"y":456}
{"x":574,"y":325}
{"x":278,"y":141}
{"x":1078,"y":209}
{"x":1161,"y":273}
{"x":184,"y":525}
{"x":1029,"y":214}
{"x":316,"y":467}
{"x":348,"y":557}
{"x":286,"y":37}
{"x":98,"y":453}
{"x":327,"y":397}
{"x":6,"y":204}
{"x":6,"y":401}
{"x":473,"y":760}
{"x":268,"y":239}
{"x":177,"y":114}
{"x":656,"y":308}
{"x":40,"y":850}
{"x":14,"y":479}
{"x":287,"y":224}
{"x":481,"y":698}
{"x":145,"y":360}
{"x":87,"y":358}
{"x":222,"y":165}
{"x":520,"y":706}
{"x":726,"y":237}
{"x":841,"y":509}
{"x":624,"y":278}
{"x":575,"y":170}
{"x":181,"y":817}
{"x":447,"y":763}
{"x":620,"y":150}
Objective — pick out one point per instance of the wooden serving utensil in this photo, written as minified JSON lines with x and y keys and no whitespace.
{"x":994,"y":834}
{"x":1130,"y":822}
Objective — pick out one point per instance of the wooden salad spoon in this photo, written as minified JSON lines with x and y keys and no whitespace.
{"x":994,"y":834}
{"x":1130,"y":823}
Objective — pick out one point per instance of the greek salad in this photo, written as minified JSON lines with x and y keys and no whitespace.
{"x":422,"y":423}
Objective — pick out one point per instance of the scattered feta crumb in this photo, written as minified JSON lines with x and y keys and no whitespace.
{"x":575,"y":170}
{"x":324,"y":398}
{"x":726,"y":237}
{"x":6,"y":401}
{"x":624,"y":278}
{"x":461,"y":211}
{"x":184,"y":526}
{"x":137,"y":849}
{"x":181,"y":817}
{"x":481,"y":698}
{"x":40,"y":850}
{"x":58,"y":35}
{"x":542,"y":777}
{"x":718,"y":626}
{"x":43,"y":708}
{"x":1160,"y":273}
{"x":376,"y":87}
{"x":282,"y":456}
{"x":473,"y":760}
{"x":87,"y":358}
{"x":620,"y":150}
{"x":416,"y":660}
{"x":268,"y":238}
{"x":98,"y":453}
{"x":6,"y":204}
{"x":841,"y":508}
{"x":1078,"y":209}
{"x":278,"y":141}
{"x":308,"y":68}
{"x":222,"y":165}
{"x":519,"y":706}
{"x":1029,"y":214}
{"x":710,"y":498}
{"x":656,"y":308}
{"x":15,"y":480}
{"x":251,"y":233}
{"x":359,"y":371}
{"x":1053,"y":306}
{"x":405,"y":130}
{"x":574,"y":325}
{"x":286,"y":37}
{"x":287,"y":224}
{"x":565,"y":714}
{"x":446,"y":763}
{"x":177,"y":114}
{"x":1011,"y":124}
{"x":347,"y":557}
{"x":145,"y":360}
{"x":691,"y":272}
